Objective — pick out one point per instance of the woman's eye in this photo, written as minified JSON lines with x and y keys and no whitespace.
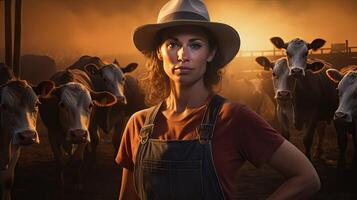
{"x":196,"y":46}
{"x":172,"y":45}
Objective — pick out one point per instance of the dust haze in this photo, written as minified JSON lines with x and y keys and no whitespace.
{"x":62,"y":28}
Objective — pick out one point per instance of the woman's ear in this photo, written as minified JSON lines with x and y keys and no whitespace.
{"x":158,"y":53}
{"x":211,"y":55}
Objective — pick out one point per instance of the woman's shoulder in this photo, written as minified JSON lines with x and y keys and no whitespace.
{"x":233,"y":108}
{"x":139,"y":116}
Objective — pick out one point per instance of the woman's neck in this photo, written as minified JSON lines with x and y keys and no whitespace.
{"x":182,"y":98}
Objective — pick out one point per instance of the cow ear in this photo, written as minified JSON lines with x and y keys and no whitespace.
{"x":131,"y":67}
{"x":44,"y":88}
{"x":103,"y":99}
{"x":265,"y":62}
{"x":92,"y":69}
{"x":316,"y":44}
{"x":334,"y":75}
{"x":279,"y":43}
{"x":116,"y":62}
{"x":315,"y":67}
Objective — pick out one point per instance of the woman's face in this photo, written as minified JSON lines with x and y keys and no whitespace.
{"x":185,"y":52}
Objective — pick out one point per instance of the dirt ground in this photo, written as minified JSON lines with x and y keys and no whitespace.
{"x":37,"y":178}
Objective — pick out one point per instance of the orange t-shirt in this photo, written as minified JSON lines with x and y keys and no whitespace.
{"x":239,"y":135}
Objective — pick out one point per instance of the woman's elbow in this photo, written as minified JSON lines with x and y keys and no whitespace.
{"x":311,"y":183}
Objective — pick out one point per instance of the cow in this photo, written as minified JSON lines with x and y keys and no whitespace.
{"x":6,"y":73}
{"x":113,"y":78}
{"x":68,"y":114}
{"x":345,"y":117}
{"x":297,"y":51}
{"x":267,"y":87}
{"x":283,"y":85}
{"x":309,"y":102}
{"x":246,"y":91}
{"x":18,"y":115}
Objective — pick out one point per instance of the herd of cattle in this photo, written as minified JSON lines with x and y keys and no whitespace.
{"x":74,"y":105}
{"x":92,"y":96}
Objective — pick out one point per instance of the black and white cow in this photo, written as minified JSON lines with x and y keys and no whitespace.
{"x":346,"y":114}
{"x":18,"y":115}
{"x":309,"y":101}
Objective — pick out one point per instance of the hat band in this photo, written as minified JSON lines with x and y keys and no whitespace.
{"x":183,"y":15}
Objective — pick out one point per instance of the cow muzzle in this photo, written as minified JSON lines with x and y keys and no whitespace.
{"x":27,"y":137}
{"x":121,"y":99}
{"x":78,"y":136}
{"x":283,"y":95}
{"x":342,"y":117}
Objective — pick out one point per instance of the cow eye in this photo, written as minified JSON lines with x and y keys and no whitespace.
{"x":273,"y":74}
{"x":90,"y":106}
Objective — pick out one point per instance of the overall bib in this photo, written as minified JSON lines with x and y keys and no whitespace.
{"x":178,"y":169}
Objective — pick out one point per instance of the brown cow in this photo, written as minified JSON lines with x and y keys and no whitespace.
{"x":68,"y":115}
{"x":113,"y":78}
{"x":18,"y":116}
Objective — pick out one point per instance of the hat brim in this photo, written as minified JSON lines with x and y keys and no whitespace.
{"x":226,"y":36}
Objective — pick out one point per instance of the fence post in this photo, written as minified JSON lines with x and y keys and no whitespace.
{"x":8,"y":34}
{"x":17,"y":39}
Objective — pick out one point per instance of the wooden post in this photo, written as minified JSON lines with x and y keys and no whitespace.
{"x":347,"y":51}
{"x":17,"y":39}
{"x":8,"y":33}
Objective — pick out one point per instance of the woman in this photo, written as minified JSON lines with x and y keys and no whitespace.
{"x":192,"y":143}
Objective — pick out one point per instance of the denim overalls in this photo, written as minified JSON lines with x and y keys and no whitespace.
{"x":178,"y":169}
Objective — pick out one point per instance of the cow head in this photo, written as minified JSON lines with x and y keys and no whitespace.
{"x":75,"y":104}
{"x":6,"y":73}
{"x":347,"y":92}
{"x":296,"y":53}
{"x":112,"y":77}
{"x":18,"y":114}
{"x":283,"y":83}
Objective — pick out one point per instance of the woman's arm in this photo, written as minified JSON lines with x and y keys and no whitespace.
{"x":127,"y":191}
{"x":302,"y":179}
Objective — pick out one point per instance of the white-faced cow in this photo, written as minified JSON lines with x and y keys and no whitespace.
{"x":297,"y":51}
{"x":68,"y":115}
{"x":113,"y":78}
{"x":283,"y":85}
{"x":18,"y":115}
{"x":345,"y":118}
{"x":310,"y":100}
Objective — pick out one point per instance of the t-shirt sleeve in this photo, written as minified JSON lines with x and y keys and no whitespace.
{"x":257,"y":139}
{"x":125,"y":153}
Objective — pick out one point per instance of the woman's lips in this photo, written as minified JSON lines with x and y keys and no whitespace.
{"x":183,"y":69}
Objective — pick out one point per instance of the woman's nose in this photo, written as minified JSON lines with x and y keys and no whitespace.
{"x":182,"y":54}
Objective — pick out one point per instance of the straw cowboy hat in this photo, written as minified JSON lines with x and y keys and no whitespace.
{"x":189,"y":12}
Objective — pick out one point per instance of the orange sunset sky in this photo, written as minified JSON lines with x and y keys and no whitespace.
{"x":104,"y":27}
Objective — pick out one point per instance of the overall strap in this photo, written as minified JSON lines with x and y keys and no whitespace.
{"x":205,"y":131}
{"x":148,"y":127}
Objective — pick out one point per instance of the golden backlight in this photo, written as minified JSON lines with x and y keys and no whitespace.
{"x":65,"y":28}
